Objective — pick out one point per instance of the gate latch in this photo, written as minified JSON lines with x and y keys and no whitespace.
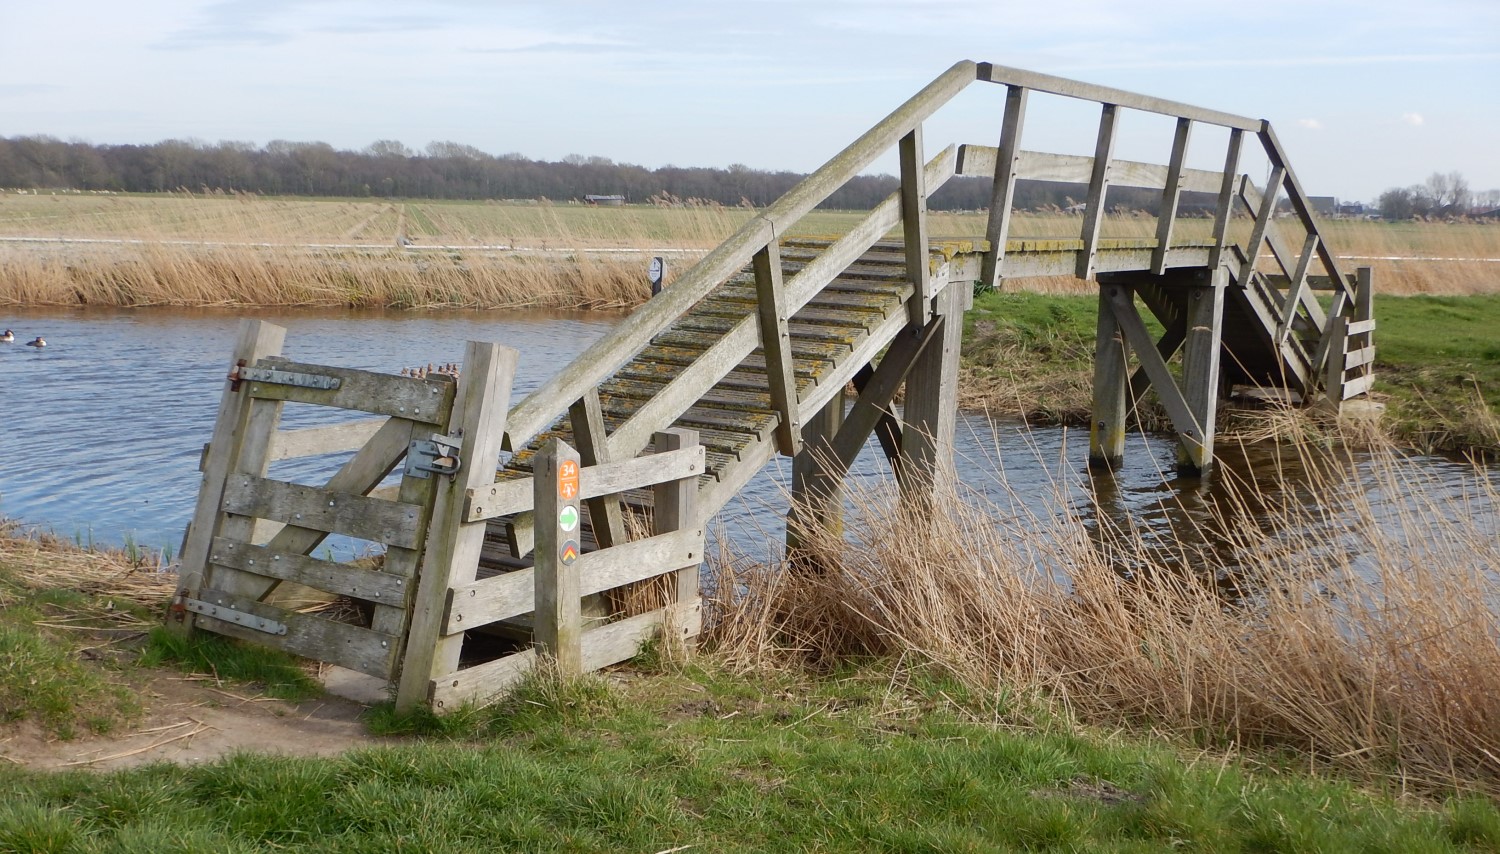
{"x":437,"y":455}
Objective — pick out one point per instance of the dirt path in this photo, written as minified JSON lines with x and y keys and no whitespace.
{"x":189,"y":719}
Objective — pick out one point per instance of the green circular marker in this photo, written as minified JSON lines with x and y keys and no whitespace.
{"x":567,"y":518}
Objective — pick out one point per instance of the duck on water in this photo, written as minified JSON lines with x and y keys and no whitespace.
{"x":37,"y":342}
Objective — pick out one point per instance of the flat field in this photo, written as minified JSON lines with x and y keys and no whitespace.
{"x":218,"y":249}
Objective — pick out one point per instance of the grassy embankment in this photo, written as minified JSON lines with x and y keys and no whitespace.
{"x":980,"y":682}
{"x":1437,"y":366}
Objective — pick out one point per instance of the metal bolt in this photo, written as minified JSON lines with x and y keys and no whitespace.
{"x":330,"y":504}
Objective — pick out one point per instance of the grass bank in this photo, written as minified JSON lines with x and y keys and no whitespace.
{"x":1437,"y":365}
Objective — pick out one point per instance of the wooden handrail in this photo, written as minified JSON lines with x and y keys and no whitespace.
{"x":607,"y":354}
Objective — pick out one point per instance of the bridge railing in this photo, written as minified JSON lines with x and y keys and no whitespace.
{"x":756,"y":244}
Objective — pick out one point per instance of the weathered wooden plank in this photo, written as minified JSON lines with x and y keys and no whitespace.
{"x":315,"y":441}
{"x":1107,"y":421}
{"x":1262,"y":222}
{"x":1200,"y":370}
{"x":1093,"y":216}
{"x":513,"y":496}
{"x":1224,"y":208}
{"x":502,"y":597}
{"x":256,"y":340}
{"x":1360,"y":327}
{"x":602,"y":647}
{"x":557,"y":586}
{"x":1359,"y":358}
{"x":1296,"y":287}
{"x":1091,"y":92}
{"x":453,"y":548}
{"x":914,"y":225}
{"x":1358,"y":386}
{"x":308,"y":635}
{"x":930,"y":417}
{"x":323,"y":510}
{"x":675,"y":508}
{"x":776,"y":342}
{"x":1171,"y":194}
{"x":587,"y":419}
{"x":1002,"y":196}
{"x":426,"y":400}
{"x":816,"y":486}
{"x":338,"y":578}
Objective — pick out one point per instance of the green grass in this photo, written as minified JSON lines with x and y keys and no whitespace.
{"x":42,"y":676}
{"x":281,"y":675}
{"x":723,"y":763}
{"x":1437,"y":358}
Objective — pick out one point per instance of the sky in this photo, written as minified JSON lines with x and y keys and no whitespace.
{"x":1364,"y":94}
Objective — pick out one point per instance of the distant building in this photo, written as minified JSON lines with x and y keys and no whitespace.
{"x":607,"y":201}
{"x":1352,"y":209}
{"x":1324,"y":205}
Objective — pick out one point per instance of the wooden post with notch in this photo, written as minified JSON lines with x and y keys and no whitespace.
{"x":558,"y":590}
{"x":997,"y":228}
{"x":1200,"y":370}
{"x":914,"y":226}
{"x":931,"y":413}
{"x":675,"y":508}
{"x":1093,"y":215}
{"x":1111,"y":386}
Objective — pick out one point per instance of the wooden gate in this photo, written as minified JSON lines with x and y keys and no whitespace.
{"x":252,"y":536}
{"x":404,"y":616}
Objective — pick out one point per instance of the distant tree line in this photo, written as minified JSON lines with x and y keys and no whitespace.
{"x":1441,"y":195}
{"x":451,"y":170}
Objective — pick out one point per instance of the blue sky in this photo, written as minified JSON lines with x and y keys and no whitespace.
{"x":1365,"y":95}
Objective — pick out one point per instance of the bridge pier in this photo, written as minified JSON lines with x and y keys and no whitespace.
{"x":1189,"y":305}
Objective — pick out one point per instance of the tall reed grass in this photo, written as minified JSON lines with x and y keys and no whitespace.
{"x":1351,"y":616}
{"x":226,"y":249}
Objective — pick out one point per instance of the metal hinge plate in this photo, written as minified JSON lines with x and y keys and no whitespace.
{"x":275,"y":377}
{"x":436,"y":455}
{"x":230,"y":615}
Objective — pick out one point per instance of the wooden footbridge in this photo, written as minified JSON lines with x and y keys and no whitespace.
{"x":571,"y":524}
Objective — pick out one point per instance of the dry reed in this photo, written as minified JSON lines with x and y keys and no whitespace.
{"x":1360,"y":627}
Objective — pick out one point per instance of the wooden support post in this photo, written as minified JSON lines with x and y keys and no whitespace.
{"x":997,"y":228}
{"x":1093,"y":215}
{"x":871,"y":411}
{"x":1134,"y":330}
{"x":675,"y":507}
{"x":931,"y":412}
{"x":257,"y":340}
{"x":605,"y":513}
{"x":453,"y":546}
{"x":1107,"y":423}
{"x":558,"y":590}
{"x":914,"y":226}
{"x":1200,"y":371}
{"x":776,"y":341}
{"x":887,"y":428}
{"x":816,"y":496}
{"x":1170,"y":196}
{"x":1224,"y":210}
{"x":1337,"y":337}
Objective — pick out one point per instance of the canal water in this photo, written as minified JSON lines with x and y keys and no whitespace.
{"x":103,"y":429}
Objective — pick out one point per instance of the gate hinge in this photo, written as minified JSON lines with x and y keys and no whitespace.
{"x":435,"y":455}
{"x":273,"y":376}
{"x":230,"y":615}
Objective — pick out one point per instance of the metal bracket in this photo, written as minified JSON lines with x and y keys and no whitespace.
{"x":230,"y":615}
{"x":437,"y":455}
{"x":275,"y":377}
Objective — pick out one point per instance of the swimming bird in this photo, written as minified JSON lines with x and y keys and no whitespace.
{"x":8,"y":337}
{"x":37,"y":343}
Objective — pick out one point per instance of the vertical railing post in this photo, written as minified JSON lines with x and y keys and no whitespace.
{"x":997,"y":228}
{"x":1170,"y":196}
{"x":453,"y":545}
{"x":1224,"y":209}
{"x":1337,"y":352}
{"x":776,"y":341}
{"x":674,"y":507}
{"x":914,"y":226}
{"x":558,"y":591}
{"x":1093,"y":214}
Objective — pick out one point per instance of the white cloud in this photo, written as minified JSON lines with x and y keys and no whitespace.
{"x":1413,"y":119}
{"x":1310,"y":124}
